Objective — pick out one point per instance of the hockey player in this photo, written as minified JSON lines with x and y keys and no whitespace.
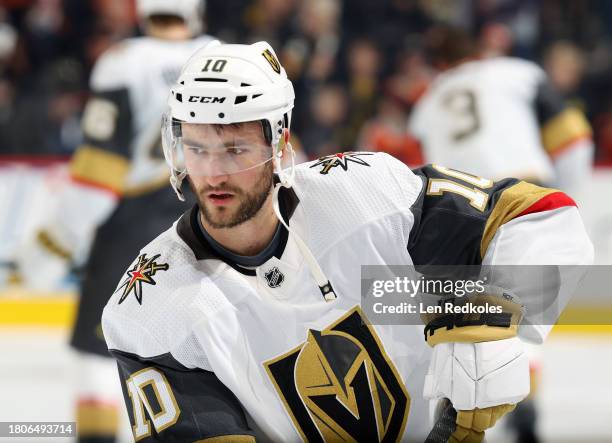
{"x":243,"y":322}
{"x":499,"y":117}
{"x":119,"y":190}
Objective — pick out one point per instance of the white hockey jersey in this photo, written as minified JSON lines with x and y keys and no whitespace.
{"x":497,"y":118}
{"x":208,"y":349}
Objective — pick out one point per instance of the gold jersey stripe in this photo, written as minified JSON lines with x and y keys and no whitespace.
{"x":511,"y":203}
{"x":160,"y":182}
{"x":565,"y":128}
{"x":97,"y":420}
{"x":228,"y":439}
{"x":99,"y":167}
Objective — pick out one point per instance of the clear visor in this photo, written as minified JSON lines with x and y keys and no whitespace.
{"x":203,"y":150}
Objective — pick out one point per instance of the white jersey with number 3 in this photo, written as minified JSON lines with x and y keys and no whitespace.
{"x":480,"y":117}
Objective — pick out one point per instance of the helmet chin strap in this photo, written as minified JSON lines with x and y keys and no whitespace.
{"x":287,"y":181}
{"x":176,"y":180}
{"x":317,"y":273}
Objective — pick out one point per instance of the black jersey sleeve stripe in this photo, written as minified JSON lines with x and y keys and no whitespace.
{"x":103,"y":158}
{"x":548,"y":102}
{"x":560,"y":125}
{"x":108,"y":121}
{"x":447,"y":229}
{"x":197,"y":404}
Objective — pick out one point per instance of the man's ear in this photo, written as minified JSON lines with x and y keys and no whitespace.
{"x":282,"y":146}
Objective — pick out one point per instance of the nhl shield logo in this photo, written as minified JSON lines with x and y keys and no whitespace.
{"x":274,"y":277}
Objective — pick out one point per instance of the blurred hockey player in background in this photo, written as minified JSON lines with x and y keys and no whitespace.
{"x":499,"y":117}
{"x":119,"y":191}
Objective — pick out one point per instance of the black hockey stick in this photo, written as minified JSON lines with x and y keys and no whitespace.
{"x":445,"y":425}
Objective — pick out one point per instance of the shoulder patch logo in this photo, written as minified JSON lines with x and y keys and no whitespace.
{"x":274,"y":277}
{"x":269,"y":56}
{"x":341,"y":159}
{"x":142,"y":272}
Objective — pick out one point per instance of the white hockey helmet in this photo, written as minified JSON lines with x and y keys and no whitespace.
{"x":192,"y":11}
{"x":225,"y":84}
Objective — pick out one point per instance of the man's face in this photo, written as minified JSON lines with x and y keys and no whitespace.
{"x":227,"y":199}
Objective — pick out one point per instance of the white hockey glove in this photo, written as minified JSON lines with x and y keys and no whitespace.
{"x":47,"y":255}
{"x":43,"y":261}
{"x":479,"y":370}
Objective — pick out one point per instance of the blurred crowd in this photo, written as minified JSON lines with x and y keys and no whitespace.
{"x":358,"y":66}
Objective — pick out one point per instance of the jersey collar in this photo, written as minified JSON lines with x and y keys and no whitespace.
{"x":189,"y":231}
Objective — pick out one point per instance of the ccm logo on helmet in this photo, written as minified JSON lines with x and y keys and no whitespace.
{"x":199,"y":99}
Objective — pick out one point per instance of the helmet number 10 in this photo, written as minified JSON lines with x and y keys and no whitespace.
{"x":217,"y":65}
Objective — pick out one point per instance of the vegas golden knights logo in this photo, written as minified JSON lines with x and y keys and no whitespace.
{"x":341,"y":159}
{"x":272,"y":60}
{"x":143,"y":272}
{"x":340,"y":385}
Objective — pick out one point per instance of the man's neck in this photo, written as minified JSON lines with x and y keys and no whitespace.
{"x":250,"y":237}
